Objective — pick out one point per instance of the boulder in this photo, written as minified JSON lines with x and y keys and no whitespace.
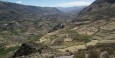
{"x":27,"y":49}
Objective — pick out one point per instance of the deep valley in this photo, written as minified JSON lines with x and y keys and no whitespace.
{"x":56,"y":32}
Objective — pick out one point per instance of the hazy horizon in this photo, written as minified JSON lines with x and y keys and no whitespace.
{"x":53,"y":3}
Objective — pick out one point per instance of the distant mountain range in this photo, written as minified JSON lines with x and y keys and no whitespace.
{"x":14,"y":11}
{"x":70,"y":10}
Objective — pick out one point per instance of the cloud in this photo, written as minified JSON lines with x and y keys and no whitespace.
{"x":19,"y":1}
{"x":75,"y":3}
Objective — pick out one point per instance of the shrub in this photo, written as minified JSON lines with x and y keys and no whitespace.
{"x":110,"y":51}
{"x":78,"y":37}
{"x":79,"y":55}
{"x":94,"y":54}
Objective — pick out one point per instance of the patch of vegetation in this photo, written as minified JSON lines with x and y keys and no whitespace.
{"x":71,"y":31}
{"x":110,"y":51}
{"x":2,"y":44}
{"x":79,"y":55}
{"x":76,"y":36}
{"x":79,"y":37}
{"x":35,"y":37}
{"x":15,"y":32}
{"x":67,"y":31}
{"x":94,"y":54}
{"x":54,"y":37}
{"x":4,"y":51}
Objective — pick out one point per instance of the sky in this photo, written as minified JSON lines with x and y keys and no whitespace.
{"x":53,"y":3}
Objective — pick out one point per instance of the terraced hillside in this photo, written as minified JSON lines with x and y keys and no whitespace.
{"x":95,"y":22}
{"x":93,"y":29}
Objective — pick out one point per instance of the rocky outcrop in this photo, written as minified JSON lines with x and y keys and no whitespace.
{"x":58,"y":26}
{"x":35,"y":50}
{"x":27,"y":49}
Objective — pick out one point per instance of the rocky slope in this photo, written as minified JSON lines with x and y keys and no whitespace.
{"x":20,"y":23}
{"x":98,"y":23}
{"x":16,"y":10}
{"x":98,"y":18}
{"x":23,"y":23}
{"x":98,"y":10}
